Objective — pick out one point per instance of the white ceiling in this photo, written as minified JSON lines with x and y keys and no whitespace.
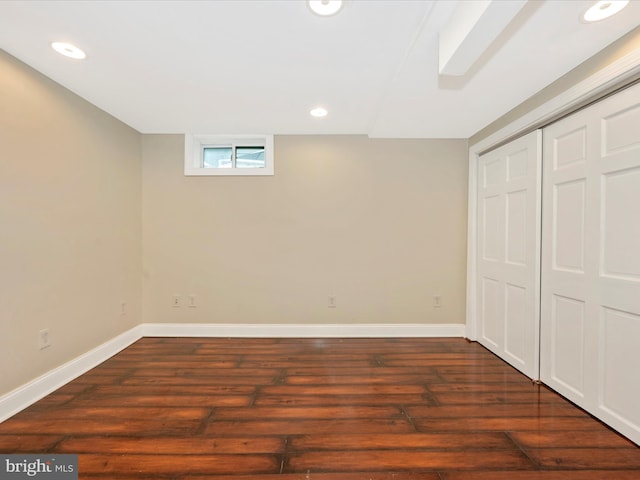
{"x":259,"y":66}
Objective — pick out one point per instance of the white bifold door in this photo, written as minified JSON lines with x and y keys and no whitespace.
{"x":509,"y":252}
{"x":590,"y":296}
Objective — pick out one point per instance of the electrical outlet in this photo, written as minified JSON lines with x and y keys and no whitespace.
{"x":437,"y":301}
{"x":176,"y":301}
{"x":193,"y":301}
{"x":332,"y":301}
{"x":44,"y":340}
{"x":123,"y":309}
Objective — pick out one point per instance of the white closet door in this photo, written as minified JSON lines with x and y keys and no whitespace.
{"x":509,"y":252}
{"x":590,"y":303}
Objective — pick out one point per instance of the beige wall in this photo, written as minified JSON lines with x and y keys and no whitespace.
{"x":617,"y":50}
{"x":70,"y":234}
{"x":380,"y":224}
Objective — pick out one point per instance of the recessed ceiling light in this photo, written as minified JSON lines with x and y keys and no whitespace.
{"x":318,"y":112}
{"x":604,"y":9}
{"x":325,"y":7}
{"x":68,"y":50}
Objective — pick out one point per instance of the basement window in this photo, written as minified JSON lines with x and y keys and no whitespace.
{"x":228,"y":155}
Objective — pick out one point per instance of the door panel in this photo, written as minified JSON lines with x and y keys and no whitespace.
{"x":492,"y":239}
{"x":491,"y":330}
{"x":515,"y":341}
{"x":517,"y":240}
{"x":590,"y":298}
{"x":621,"y":238}
{"x":509,"y":250}
{"x":620,"y":333}
{"x":567,"y":343}
{"x":568,"y":226}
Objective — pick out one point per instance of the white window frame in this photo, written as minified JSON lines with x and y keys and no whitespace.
{"x":194,"y":146}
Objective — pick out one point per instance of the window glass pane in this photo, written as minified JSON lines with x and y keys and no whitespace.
{"x":216,"y":157}
{"x":250,"y":157}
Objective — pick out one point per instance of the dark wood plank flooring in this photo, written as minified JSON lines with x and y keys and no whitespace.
{"x":317,"y":409}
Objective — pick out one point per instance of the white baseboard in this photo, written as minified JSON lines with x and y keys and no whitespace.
{"x":29,"y":393}
{"x":301,"y":330}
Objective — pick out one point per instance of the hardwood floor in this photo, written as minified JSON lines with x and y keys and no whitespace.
{"x":317,"y":409}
